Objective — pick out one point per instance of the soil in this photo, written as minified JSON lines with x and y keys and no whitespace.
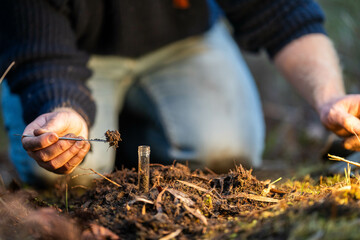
{"x":186,"y":204}
{"x":113,"y":137}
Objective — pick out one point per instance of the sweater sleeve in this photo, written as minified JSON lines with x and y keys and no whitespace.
{"x":50,"y":70}
{"x":271,"y":24}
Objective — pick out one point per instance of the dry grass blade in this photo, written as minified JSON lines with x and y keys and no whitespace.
{"x":140,"y":199}
{"x":6,"y":72}
{"x":115,"y":183}
{"x":158,"y":201}
{"x":201,"y":189}
{"x":336,"y":158}
{"x":196,"y":213}
{"x":210,"y":171}
{"x":352,"y":129}
{"x":181,"y":196}
{"x":80,"y":186}
{"x":252,"y":197}
{"x":172,"y":235}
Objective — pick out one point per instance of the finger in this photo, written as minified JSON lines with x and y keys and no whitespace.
{"x":352,"y":143}
{"x":342,"y":132}
{"x":350,"y":123}
{"x":54,"y":150}
{"x":64,"y":158}
{"x":69,"y":166}
{"x":39,"y":142}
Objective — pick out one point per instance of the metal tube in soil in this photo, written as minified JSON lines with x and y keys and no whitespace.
{"x":143,"y":168}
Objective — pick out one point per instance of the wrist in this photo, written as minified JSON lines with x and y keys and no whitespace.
{"x":325,"y":98}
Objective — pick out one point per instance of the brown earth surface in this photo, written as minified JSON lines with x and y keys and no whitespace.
{"x":184,"y":204}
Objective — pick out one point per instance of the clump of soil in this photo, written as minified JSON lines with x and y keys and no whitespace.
{"x":113,"y":137}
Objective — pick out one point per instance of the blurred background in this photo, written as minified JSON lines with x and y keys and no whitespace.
{"x":294,"y":133}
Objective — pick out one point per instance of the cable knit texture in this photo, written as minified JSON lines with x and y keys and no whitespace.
{"x":50,"y":39}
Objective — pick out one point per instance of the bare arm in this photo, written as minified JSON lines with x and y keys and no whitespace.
{"x":310,"y":64}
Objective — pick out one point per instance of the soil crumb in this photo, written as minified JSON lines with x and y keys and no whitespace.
{"x":113,"y":137}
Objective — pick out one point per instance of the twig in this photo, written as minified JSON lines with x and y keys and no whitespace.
{"x":273,"y":182}
{"x":158,"y":165}
{"x":158,"y":201}
{"x":336,"y":158}
{"x":196,"y":213}
{"x":115,"y":183}
{"x":81,"y":174}
{"x":210,"y":171}
{"x":140,"y":199}
{"x":6,"y":71}
{"x":201,"y":189}
{"x":252,"y":197}
{"x":201,"y":178}
{"x":172,"y":235}
{"x":80,"y":186}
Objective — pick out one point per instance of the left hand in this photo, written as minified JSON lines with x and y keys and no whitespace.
{"x":342,"y":117}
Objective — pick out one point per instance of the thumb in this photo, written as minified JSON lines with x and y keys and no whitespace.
{"x":54,"y":124}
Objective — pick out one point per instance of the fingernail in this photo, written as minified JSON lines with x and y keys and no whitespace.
{"x":80,"y":144}
{"x":52,"y":138}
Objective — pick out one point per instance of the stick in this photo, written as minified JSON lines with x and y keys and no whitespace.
{"x":210,"y":171}
{"x":6,"y":71}
{"x":336,"y":158}
{"x":115,"y":183}
{"x":201,"y":189}
{"x":252,"y":197}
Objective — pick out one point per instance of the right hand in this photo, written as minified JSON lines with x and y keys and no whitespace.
{"x":58,"y":156}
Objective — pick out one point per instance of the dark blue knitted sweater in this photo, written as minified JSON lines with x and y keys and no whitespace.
{"x":50,"y":40}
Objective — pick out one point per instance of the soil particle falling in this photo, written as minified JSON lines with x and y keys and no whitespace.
{"x":113,"y":137}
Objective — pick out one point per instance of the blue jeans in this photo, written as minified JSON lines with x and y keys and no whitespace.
{"x":193,"y":101}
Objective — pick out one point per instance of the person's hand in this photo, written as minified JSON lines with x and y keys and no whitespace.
{"x":58,"y":156}
{"x":342,"y":117}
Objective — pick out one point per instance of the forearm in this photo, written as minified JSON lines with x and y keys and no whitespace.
{"x":50,"y":70}
{"x":311,"y":65}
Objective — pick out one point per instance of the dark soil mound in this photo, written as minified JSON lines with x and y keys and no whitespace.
{"x":190,"y":204}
